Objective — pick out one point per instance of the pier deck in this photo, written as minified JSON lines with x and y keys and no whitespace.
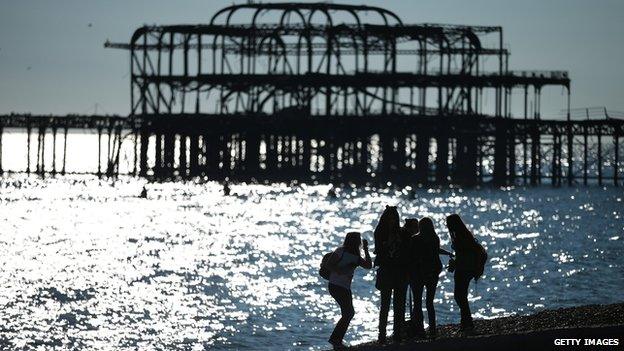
{"x":376,"y":149}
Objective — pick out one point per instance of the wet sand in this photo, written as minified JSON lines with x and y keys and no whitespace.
{"x":533,"y":332}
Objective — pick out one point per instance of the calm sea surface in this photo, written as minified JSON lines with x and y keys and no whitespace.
{"x":87,"y":264}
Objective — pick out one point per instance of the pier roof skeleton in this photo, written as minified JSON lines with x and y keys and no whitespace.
{"x":326,"y":59}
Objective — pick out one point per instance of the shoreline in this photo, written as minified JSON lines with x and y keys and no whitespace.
{"x":531,"y":332}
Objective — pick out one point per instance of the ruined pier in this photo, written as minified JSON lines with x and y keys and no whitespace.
{"x":319,"y":92}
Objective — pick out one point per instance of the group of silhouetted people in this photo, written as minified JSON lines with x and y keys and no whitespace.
{"x":407,"y":256}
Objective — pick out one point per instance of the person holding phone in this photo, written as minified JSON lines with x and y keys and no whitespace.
{"x":343,"y":262}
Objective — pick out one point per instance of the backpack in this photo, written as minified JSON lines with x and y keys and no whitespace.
{"x":324,"y":271}
{"x":481,"y":258}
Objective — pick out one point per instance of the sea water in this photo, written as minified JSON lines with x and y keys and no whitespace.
{"x":89,"y":264}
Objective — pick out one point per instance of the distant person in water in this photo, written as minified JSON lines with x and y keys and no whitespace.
{"x":331,"y":193}
{"x":392,"y":274}
{"x":469,"y":263}
{"x":424,"y":273}
{"x":343,"y":262}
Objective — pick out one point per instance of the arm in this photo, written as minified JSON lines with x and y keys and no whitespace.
{"x":366,"y":262}
{"x":442,"y":251}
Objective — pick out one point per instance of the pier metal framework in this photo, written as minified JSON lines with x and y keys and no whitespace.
{"x":325,"y":59}
{"x":325,"y":92}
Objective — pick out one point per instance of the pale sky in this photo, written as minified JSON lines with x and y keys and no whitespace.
{"x":52,"y":61}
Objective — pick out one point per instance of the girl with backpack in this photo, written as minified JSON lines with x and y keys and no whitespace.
{"x":341,"y":265}
{"x":469,"y":263}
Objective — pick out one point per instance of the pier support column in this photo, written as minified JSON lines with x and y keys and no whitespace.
{"x":512,"y":157}
{"x":109,"y":161}
{"x":169,"y":153}
{"x":480,"y":154}
{"x":423,"y":140}
{"x":271,"y":156}
{"x":366,"y":166}
{"x":193,"y":155}
{"x":212,"y":147}
{"x":54,"y":133}
{"x":287,"y":157}
{"x":501,"y":145}
{"x":182,"y":166}
{"x":585,"y":155}
{"x":158,"y":156}
{"x":559,"y":159}
{"x":116,"y":150}
{"x":401,"y":158}
{"x":306,"y":156}
{"x":599,"y":165}
{"x":570,"y":140}
{"x":389,"y":156}
{"x":28,"y":133}
{"x":41,"y":150}
{"x":348,"y":161}
{"x":330,"y":158}
{"x":64,"y":150}
{"x":226,"y":144}
{"x":555,"y":160}
{"x":525,"y":159}
{"x":535,"y":149}
{"x":135,"y":160}
{"x":252,"y":154}
{"x":99,"y":167}
{"x":442,"y":168}
{"x":143,"y":152}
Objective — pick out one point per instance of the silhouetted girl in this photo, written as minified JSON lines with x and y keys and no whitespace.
{"x":424,"y":273}
{"x":342,"y":264}
{"x":392,"y":273}
{"x":469,"y":262}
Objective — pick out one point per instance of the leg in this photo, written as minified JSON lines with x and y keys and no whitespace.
{"x":345,"y":301}
{"x":383,"y":313}
{"x":432,"y":284}
{"x":398,"y":307}
{"x":462,"y":283}
{"x":417,"y":314}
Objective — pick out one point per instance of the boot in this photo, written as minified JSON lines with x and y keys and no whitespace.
{"x":433,"y":332}
{"x":337,"y":344}
{"x":467,"y":327}
{"x":381,"y":339}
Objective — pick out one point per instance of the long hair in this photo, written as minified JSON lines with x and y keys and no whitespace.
{"x":426,"y":228}
{"x":352,"y":243}
{"x":460,"y":235}
{"x":388,"y":228}
{"x":409,"y":228}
